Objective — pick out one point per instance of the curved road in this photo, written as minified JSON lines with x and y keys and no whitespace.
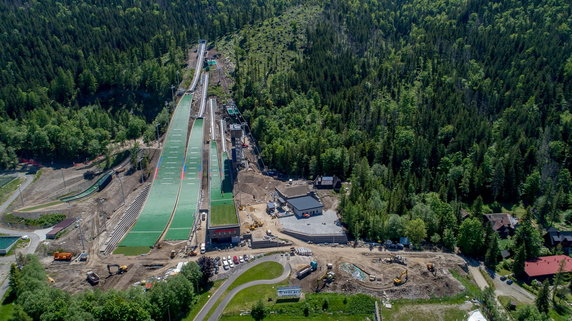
{"x":28,"y":181}
{"x":238,"y":272}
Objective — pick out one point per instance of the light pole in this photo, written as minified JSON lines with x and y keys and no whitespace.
{"x":64,"y":179}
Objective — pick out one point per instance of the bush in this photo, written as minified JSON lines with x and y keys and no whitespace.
{"x":43,"y":221}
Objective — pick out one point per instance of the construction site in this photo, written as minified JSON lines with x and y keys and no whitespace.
{"x":205,"y":184}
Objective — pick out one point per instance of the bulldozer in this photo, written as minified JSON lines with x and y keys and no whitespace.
{"x":120,"y":269}
{"x":431,"y":268}
{"x":401,"y":279}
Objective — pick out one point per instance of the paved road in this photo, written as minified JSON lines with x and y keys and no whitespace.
{"x":28,"y":181}
{"x":239,"y":270}
{"x":36,"y":237}
{"x":513,"y":290}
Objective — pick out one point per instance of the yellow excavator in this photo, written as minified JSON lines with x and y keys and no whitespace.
{"x":120,"y":269}
{"x":401,"y":279}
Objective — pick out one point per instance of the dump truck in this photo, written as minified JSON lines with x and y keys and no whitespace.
{"x":63,"y":256}
{"x":92,"y":278}
{"x":306,"y":270}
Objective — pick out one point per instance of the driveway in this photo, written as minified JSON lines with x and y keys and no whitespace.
{"x":513,"y":290}
{"x":239,"y":270}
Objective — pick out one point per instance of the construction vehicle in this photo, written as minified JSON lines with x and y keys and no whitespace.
{"x":193,"y":253}
{"x":306,"y":270}
{"x":92,"y":278}
{"x":63,"y":256}
{"x":397,"y":259}
{"x":51,"y":280}
{"x":173,"y":254}
{"x":120,"y":268}
{"x":431,"y":268}
{"x":292,"y":251}
{"x":401,"y":279}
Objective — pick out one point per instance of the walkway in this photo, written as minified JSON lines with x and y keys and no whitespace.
{"x":240,"y":269}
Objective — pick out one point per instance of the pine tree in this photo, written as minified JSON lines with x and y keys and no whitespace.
{"x":519,"y":261}
{"x":543,"y":297}
{"x":493,"y":252}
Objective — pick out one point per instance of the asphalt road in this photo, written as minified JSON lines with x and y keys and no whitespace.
{"x":28,"y":181}
{"x":236,"y":273}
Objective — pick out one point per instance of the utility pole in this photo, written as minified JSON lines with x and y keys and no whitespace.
{"x":81,"y":235}
{"x":64,"y":179}
{"x":121,"y":183}
{"x":21,"y":197}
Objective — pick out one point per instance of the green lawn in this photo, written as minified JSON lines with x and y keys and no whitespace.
{"x":262,"y":271}
{"x":340,"y":306}
{"x":223,"y":214}
{"x":132,"y":250}
{"x":203,"y":298}
{"x":424,"y":312}
{"x":9,"y":188}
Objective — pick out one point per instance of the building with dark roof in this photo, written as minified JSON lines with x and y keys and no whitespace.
{"x":502,"y":223}
{"x":328,"y":182}
{"x":300,"y":200}
{"x":305,"y":206}
{"x":554,"y":237}
{"x":60,"y":227}
{"x":547,"y":266}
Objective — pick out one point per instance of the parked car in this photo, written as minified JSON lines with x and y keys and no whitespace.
{"x":228,"y":258}
{"x":225,"y":265}
{"x":503,"y":278}
{"x":246,"y":258}
{"x":509,"y":282}
{"x":216,"y":270}
{"x":241,"y":259}
{"x":231,"y":265}
{"x":235,"y":260}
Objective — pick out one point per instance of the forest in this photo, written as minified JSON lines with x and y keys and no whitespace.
{"x":78,"y":75}
{"x":427,"y":107}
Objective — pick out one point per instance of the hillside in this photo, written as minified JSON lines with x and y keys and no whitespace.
{"x":427,"y":106}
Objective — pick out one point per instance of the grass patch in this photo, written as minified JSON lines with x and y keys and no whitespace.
{"x":424,"y":313}
{"x":43,"y":221}
{"x":10,"y":187}
{"x":339,"y":306}
{"x":202,"y":300}
{"x":37,"y":207}
{"x":19,"y":244}
{"x":262,"y":271}
{"x":471,"y":288}
{"x":320,"y":317}
{"x":223,"y":214}
{"x":6,"y":311}
{"x":6,"y":179}
{"x":132,"y":250}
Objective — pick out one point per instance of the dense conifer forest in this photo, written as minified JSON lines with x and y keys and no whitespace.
{"x":77,"y":75}
{"x":428,"y":106}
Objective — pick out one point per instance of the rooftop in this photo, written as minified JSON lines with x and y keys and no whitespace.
{"x":499,"y":220}
{"x":304,"y":203}
{"x":327,"y":223}
{"x":547,"y":265}
{"x":7,"y":241}
{"x":557,"y":236}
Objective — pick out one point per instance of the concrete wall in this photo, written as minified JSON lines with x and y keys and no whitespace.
{"x":262,"y":244}
{"x":317,"y":238}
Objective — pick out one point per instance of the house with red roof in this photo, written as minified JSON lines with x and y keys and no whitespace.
{"x":547,"y":266}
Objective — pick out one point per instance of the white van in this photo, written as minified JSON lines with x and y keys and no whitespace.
{"x":203,"y":248}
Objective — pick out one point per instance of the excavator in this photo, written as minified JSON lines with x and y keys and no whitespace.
{"x":431,"y":268}
{"x":120,"y":268}
{"x":401,"y":279}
